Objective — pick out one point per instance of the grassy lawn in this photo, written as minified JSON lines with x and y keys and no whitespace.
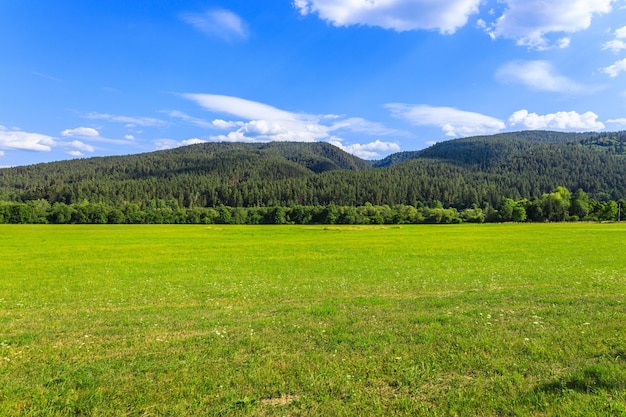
{"x":468,"y":320}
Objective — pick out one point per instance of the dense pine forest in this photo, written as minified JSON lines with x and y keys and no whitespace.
{"x":521,"y":176}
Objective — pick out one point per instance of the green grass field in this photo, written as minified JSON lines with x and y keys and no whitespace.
{"x":468,"y":320}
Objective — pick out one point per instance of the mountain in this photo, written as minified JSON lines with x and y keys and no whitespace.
{"x":459,"y":173}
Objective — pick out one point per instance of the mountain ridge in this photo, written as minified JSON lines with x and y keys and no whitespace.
{"x":459,"y":172}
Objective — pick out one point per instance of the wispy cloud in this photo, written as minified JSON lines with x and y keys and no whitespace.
{"x":445,"y":16}
{"x":18,"y":139}
{"x":47,"y":77}
{"x":617,"y":44}
{"x":615,"y":69}
{"x":452,"y":121}
{"x":621,"y":122}
{"x":360,"y":125}
{"x":93,"y":135}
{"x":189,"y":119}
{"x":262,"y":122}
{"x":538,"y":75}
{"x":259,"y":122}
{"x":239,"y":107}
{"x":218,"y":23}
{"x":128,"y":120}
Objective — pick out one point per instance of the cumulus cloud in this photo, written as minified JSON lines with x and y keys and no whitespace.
{"x":17,"y":139}
{"x":223,"y":124}
{"x":162,"y":144}
{"x":538,"y":75}
{"x":218,"y":23}
{"x":128,"y":120}
{"x":446,"y":16}
{"x":81,"y":132}
{"x":566,"y":121}
{"x":370,"y":150}
{"x":452,"y":121}
{"x":530,"y":21}
{"x":615,"y":69}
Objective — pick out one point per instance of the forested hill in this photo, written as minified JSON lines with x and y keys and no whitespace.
{"x":457,"y":173}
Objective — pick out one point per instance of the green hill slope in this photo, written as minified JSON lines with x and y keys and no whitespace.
{"x":459,"y":173}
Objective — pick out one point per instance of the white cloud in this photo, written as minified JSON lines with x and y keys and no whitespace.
{"x":81,"y":132}
{"x":617,"y":44}
{"x":130,"y":121}
{"x":370,"y":150}
{"x":47,"y":77}
{"x":538,"y":75}
{"x":162,"y":144}
{"x":564,"y":42}
{"x":129,"y":137}
{"x":529,"y":21}
{"x":193,"y":120}
{"x":621,"y":122}
{"x":360,"y":125}
{"x":78,"y":145}
{"x":17,"y":139}
{"x":258,"y":122}
{"x":262,"y":123}
{"x":567,"y":121}
{"x":615,"y":69}
{"x":219,"y":23}
{"x":452,"y":121}
{"x":223,"y":124}
{"x":239,"y":107}
{"x":446,"y":16}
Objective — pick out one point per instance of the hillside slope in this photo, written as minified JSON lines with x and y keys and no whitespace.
{"x":459,"y":173}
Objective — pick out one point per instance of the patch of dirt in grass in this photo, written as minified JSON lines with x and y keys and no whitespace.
{"x":279,"y":401}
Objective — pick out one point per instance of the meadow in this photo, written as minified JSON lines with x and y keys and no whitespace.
{"x":459,"y":320}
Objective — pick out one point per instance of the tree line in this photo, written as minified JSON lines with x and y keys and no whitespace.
{"x":556,"y":206}
{"x":506,"y":177}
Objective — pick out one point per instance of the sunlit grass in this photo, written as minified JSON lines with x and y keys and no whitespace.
{"x":292,"y":320}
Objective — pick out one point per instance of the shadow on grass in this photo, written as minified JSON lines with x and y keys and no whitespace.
{"x":591,"y":379}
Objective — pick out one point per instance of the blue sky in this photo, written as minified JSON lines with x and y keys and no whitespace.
{"x":82,"y":78}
